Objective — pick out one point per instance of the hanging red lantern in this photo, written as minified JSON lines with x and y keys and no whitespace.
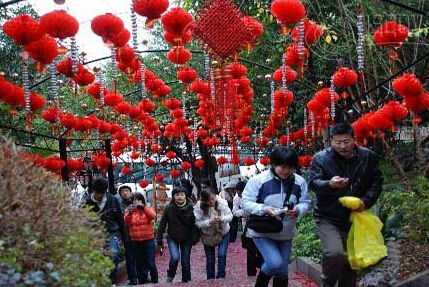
{"x":44,"y":50}
{"x":68,"y":120}
{"x":54,"y":164}
{"x":107,"y":25}
{"x":59,"y":24}
{"x":175,"y":173}
{"x":119,"y":40}
{"x":152,"y":9}
{"x":126,"y":170}
{"x":186,"y":75}
{"x":178,"y":40}
{"x":287,"y":13}
{"x":83,"y":76}
{"x":235,"y":160}
{"x":65,"y":67}
{"x":249,"y":161}
{"x":112,"y":99}
{"x":179,"y":55}
{"x":344,"y":77}
{"x":159,"y":177}
{"x":312,"y":32}
{"x":143,"y":183}
{"x":199,"y":163}
{"x":36,"y":102}
{"x":150,"y":162}
{"x":390,"y":34}
{"x":185,"y":165}
{"x":407,"y":85}
{"x":264,"y":161}
{"x":94,"y":90}
{"x":170,"y":154}
{"x":123,"y":108}
{"x":290,"y":75}
{"x":23,"y":29}
{"x":222,"y":160}
{"x":176,"y":21}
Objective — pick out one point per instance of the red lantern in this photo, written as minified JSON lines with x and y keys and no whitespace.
{"x":44,"y":50}
{"x":264,"y":161}
{"x":249,"y":161}
{"x":49,"y":114}
{"x":23,"y":29}
{"x":119,"y":40}
{"x":185,"y":165}
{"x":407,"y":85}
{"x":126,"y":170}
{"x":150,"y":162}
{"x":107,"y":25}
{"x":222,"y":160}
{"x":152,"y":9}
{"x":112,"y":99}
{"x":159,"y":177}
{"x":290,"y":75}
{"x":344,"y":77}
{"x":143,"y":183}
{"x":54,"y":163}
{"x":312,"y":32}
{"x":59,"y":24}
{"x":83,"y":76}
{"x":186,"y":75}
{"x":36,"y":102}
{"x":170,"y":154}
{"x":175,"y":173}
{"x":390,"y":34}
{"x":176,"y":21}
{"x":179,"y":55}
{"x":287,"y":13}
{"x":199,"y":163}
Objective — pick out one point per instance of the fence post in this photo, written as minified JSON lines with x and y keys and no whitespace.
{"x":63,"y":156}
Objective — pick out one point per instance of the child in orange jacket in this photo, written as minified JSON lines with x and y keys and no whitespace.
{"x":138,"y":217}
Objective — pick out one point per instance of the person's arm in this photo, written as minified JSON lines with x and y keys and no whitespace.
{"x":304,"y":201}
{"x":236,"y":210}
{"x":249,"y":197}
{"x":372,"y":194}
{"x":226,"y":214}
{"x":161,"y":227}
{"x":317,"y":182}
{"x":200,"y":222}
{"x":150,"y":213}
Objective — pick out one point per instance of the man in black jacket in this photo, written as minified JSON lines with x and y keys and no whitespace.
{"x":341,"y":170}
{"x":109,"y":210}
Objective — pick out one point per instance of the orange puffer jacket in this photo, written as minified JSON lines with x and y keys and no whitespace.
{"x":139,"y":223}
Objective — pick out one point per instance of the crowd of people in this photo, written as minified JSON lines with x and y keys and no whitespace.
{"x":268,"y":205}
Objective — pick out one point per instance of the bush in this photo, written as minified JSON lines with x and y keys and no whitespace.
{"x":46,"y":240}
{"x":404,"y":212}
{"x":306,"y":243}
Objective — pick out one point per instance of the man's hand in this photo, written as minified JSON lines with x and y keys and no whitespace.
{"x":271,"y":210}
{"x":361,"y":207}
{"x":292,"y":213}
{"x":338,"y":182}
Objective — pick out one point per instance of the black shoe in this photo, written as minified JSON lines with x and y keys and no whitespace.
{"x":280,"y":282}
{"x":262,"y":280}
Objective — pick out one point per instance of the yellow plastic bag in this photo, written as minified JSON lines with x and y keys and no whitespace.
{"x":350,"y":202}
{"x":365,"y":243}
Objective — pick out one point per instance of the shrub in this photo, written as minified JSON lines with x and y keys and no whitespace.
{"x":404,"y":213}
{"x":42,"y":233}
{"x":306,"y":242}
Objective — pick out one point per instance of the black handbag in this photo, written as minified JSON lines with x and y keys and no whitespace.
{"x":268,"y":223}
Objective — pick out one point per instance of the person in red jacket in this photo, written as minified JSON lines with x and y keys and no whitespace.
{"x":138,"y":218}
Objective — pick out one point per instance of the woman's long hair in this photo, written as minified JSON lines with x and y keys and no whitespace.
{"x":205,"y":198}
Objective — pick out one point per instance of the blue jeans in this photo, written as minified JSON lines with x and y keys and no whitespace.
{"x":276,"y":256}
{"x":144,"y":252}
{"x":130,"y":262}
{"x":184,"y":255}
{"x":113,"y":246}
{"x":221,"y":258}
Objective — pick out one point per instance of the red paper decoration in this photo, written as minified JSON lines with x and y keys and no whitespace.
{"x":287,"y":13}
{"x":390,"y":34}
{"x":107,"y":25}
{"x":23,"y":29}
{"x":199,"y":163}
{"x":344,"y":77}
{"x":152,"y":9}
{"x":59,"y":24}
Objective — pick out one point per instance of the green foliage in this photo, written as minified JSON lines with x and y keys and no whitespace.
{"x":306,"y":243}
{"x":42,"y":233}
{"x":404,"y":213}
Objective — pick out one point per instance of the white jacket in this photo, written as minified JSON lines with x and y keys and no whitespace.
{"x":203,"y":221}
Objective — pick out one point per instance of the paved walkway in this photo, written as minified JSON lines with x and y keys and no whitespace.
{"x":235,"y":271}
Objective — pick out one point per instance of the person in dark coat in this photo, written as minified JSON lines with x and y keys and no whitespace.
{"x":109,"y":210}
{"x":343,"y":169}
{"x":178,"y":218}
{"x":125,"y":200}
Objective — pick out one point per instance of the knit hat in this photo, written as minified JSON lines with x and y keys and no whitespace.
{"x":178,"y":189}
{"x":240,"y":185}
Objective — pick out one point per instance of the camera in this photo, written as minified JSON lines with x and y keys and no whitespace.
{"x":140,"y":206}
{"x":289,"y":205}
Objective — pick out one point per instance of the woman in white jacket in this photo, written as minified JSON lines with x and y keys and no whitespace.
{"x":212,"y":210}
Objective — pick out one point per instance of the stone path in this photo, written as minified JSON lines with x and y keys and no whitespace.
{"x":235,"y":271}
